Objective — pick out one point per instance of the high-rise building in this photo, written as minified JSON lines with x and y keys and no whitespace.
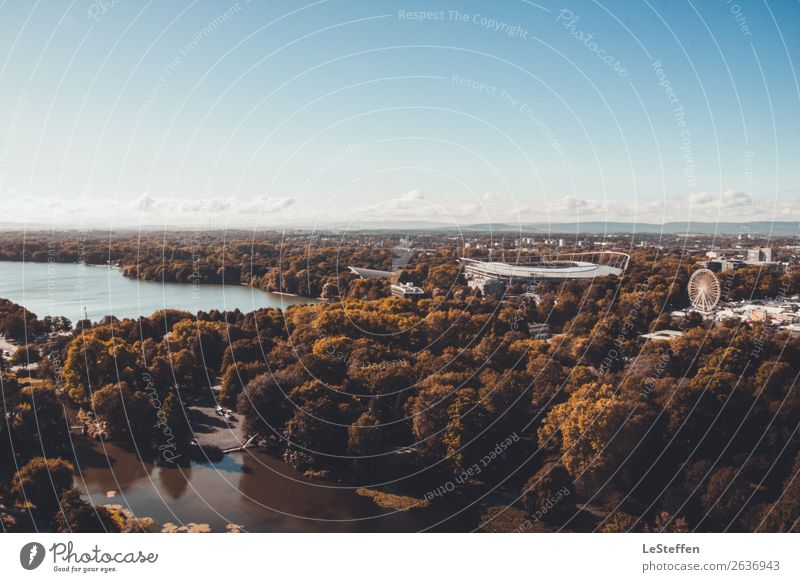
{"x":760,"y":255}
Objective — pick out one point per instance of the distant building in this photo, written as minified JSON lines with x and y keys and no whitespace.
{"x":605,"y":263}
{"x":760,"y":255}
{"x":540,"y":331}
{"x":722,"y":265}
{"x":370,"y":273}
{"x":406,"y":291}
{"x":665,"y":335}
{"x":757,"y":255}
{"x":490,"y":286}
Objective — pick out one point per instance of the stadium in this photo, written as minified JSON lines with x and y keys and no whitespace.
{"x":578,"y":266}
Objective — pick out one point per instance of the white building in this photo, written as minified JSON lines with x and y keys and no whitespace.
{"x":406,"y":291}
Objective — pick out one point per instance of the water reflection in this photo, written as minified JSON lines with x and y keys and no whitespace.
{"x":252,"y":489}
{"x":175,"y":482}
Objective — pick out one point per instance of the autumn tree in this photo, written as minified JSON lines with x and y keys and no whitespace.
{"x":25,"y":356}
{"x":317,"y":433}
{"x":93,"y":362}
{"x":40,"y":484}
{"x":126,"y":414}
{"x":265,"y":403}
{"x":549,"y":494}
{"x":594,"y":430}
{"x":38,"y":424}
{"x":78,"y":516}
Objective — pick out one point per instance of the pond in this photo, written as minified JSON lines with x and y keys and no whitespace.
{"x":251,"y":489}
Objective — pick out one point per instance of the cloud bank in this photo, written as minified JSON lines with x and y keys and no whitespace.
{"x":484,"y":207}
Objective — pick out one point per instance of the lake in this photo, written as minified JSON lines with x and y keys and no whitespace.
{"x":69,"y":288}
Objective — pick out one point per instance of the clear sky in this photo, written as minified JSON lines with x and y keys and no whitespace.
{"x":277,"y":113}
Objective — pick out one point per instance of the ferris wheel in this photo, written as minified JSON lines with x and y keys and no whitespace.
{"x":704,"y":290}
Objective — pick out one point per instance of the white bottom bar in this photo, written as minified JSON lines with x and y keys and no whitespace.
{"x":405,"y":557}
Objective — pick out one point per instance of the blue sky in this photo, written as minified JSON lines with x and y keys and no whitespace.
{"x":282,"y":113}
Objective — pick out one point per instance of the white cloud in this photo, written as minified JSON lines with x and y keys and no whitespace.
{"x":413,"y":195}
{"x":576,"y":208}
{"x":145,"y":203}
{"x":727,"y":200}
{"x":207,"y":205}
{"x":270,"y":205}
{"x":278,"y":211}
{"x":787,"y":210}
{"x":147,"y":209}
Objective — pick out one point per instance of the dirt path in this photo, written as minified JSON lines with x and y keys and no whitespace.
{"x":213,"y":430}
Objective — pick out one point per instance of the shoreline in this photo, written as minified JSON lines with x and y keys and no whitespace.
{"x":119,"y":268}
{"x":64,"y":289}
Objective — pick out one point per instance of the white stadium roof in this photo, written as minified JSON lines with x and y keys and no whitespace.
{"x":605,"y":263}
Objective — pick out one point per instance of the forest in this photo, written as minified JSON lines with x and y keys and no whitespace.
{"x":296,"y":265}
{"x":448,"y":397}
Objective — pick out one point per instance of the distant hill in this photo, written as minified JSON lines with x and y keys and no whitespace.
{"x":555,"y":228}
{"x":595,"y":227}
{"x":762,"y":228}
{"x":387,"y":225}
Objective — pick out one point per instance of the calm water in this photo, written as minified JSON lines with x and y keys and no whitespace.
{"x":252,"y":489}
{"x":66,"y":289}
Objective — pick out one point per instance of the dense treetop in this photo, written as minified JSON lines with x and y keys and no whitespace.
{"x":699,"y":433}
